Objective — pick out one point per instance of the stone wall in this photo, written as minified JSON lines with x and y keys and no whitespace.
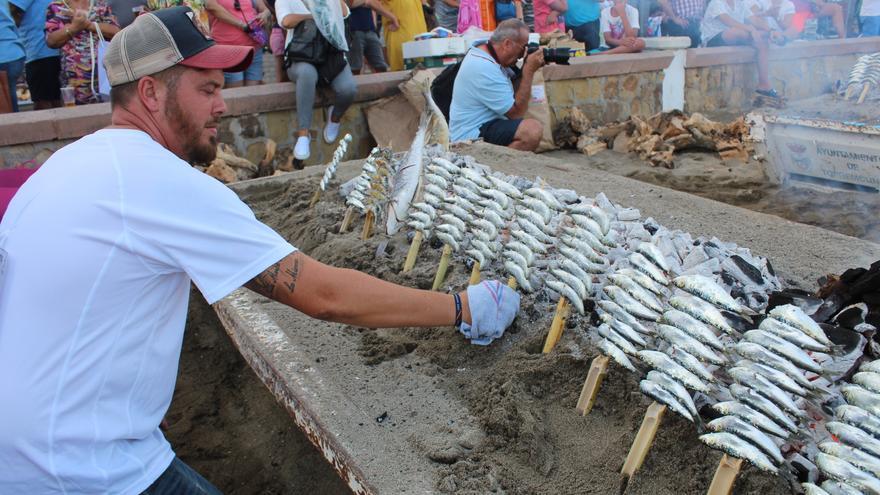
{"x":725,"y":79}
{"x":607,"y":98}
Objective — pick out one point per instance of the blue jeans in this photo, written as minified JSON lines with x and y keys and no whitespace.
{"x":871,"y":25}
{"x":13,"y":70}
{"x":180,"y":479}
{"x":305,"y":76}
{"x":254,"y":72}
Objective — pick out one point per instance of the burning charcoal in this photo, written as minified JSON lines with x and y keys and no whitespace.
{"x":739,"y":323}
{"x":797,"y":297}
{"x":696,"y":257}
{"x":748,"y":269}
{"x":805,"y":471}
{"x":869,"y":282}
{"x":851,"y":316}
{"x":873,"y":318}
{"x":872,"y":299}
{"x":731,"y":282}
{"x":707,"y":268}
{"x":713,"y":250}
{"x":851,"y":275}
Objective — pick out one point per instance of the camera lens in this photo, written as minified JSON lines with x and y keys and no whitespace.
{"x":559,"y":55}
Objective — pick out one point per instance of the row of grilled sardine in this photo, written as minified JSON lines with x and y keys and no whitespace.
{"x":338,"y":154}
{"x":768,"y":383}
{"x":370,"y":185}
{"x":851,"y":460}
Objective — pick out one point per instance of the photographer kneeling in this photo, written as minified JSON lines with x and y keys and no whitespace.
{"x":484,"y":101}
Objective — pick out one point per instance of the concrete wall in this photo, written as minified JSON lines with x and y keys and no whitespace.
{"x":607,"y":88}
{"x":724,"y":79}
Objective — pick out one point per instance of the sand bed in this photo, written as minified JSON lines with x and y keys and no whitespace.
{"x":422,"y":410}
{"x":745,"y":185}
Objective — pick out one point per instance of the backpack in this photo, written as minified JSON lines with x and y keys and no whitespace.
{"x":441,"y":88}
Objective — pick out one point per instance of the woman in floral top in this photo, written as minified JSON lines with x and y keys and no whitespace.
{"x":70,"y":24}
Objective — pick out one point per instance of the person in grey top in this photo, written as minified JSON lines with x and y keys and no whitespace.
{"x":447,"y":14}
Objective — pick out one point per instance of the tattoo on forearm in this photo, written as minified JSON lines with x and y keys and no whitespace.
{"x":276,"y":276}
{"x":294,"y":274}
{"x":265,"y":282}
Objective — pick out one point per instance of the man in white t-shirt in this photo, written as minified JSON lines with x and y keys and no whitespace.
{"x":97,"y":252}
{"x":776,"y":17}
{"x":619,"y":25}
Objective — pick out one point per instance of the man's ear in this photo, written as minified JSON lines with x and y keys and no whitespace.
{"x":149,"y":92}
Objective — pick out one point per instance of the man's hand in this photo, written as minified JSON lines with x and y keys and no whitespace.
{"x":552,"y":18}
{"x":493,"y":306}
{"x":534,"y":61}
{"x":393,"y":23}
{"x":264,"y":18}
{"x":681,"y":22}
{"x":80,"y":21}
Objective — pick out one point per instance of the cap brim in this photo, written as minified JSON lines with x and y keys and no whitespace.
{"x":229,"y":58}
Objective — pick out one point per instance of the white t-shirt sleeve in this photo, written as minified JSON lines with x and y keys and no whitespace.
{"x":605,"y":22}
{"x":632,"y":14}
{"x":202,"y":228}
{"x":785,"y":9}
{"x":283,"y":8}
{"x":716,"y":8}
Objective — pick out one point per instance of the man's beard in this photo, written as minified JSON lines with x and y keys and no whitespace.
{"x":190,"y":133}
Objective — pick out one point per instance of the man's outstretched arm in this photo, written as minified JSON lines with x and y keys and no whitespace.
{"x":352,"y":297}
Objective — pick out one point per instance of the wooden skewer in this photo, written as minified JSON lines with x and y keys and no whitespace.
{"x":315,"y":198}
{"x":511,"y":282}
{"x":598,"y":370}
{"x":850,"y":89}
{"x":864,"y":94}
{"x":558,"y":324}
{"x":346,"y":220}
{"x":644,"y":439}
{"x":725,"y":475}
{"x":475,"y":274}
{"x":413,"y":252}
{"x":368,"y":225}
{"x":441,"y":268}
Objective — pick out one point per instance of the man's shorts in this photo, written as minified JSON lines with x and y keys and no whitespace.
{"x":254,"y":72}
{"x":500,"y":131}
{"x":366,"y":44}
{"x":587,"y":33}
{"x":43,"y":79}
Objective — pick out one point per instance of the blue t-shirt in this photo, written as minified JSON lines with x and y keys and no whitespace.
{"x":482,"y":92}
{"x":32,"y":28}
{"x":361,"y":19}
{"x":581,"y":12}
{"x":10,"y":45}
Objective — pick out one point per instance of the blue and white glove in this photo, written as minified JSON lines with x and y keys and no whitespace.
{"x":493,"y":307}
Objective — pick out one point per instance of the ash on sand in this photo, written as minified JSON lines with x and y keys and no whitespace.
{"x":226,"y":425}
{"x":745,"y":185}
{"x":533,"y":441}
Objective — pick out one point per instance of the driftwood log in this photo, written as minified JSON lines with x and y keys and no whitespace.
{"x":657,"y":138}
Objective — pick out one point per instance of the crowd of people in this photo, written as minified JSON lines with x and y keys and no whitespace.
{"x":56,"y":46}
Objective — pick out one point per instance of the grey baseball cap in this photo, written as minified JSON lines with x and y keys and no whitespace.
{"x":165,"y":38}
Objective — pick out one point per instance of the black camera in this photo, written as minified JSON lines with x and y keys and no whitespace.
{"x":559,"y":55}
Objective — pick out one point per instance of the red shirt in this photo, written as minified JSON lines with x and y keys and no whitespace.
{"x":228,"y":34}
{"x":542,"y":9}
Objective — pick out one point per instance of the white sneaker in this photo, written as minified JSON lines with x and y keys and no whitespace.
{"x":302,"y":149}
{"x":331,"y":130}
